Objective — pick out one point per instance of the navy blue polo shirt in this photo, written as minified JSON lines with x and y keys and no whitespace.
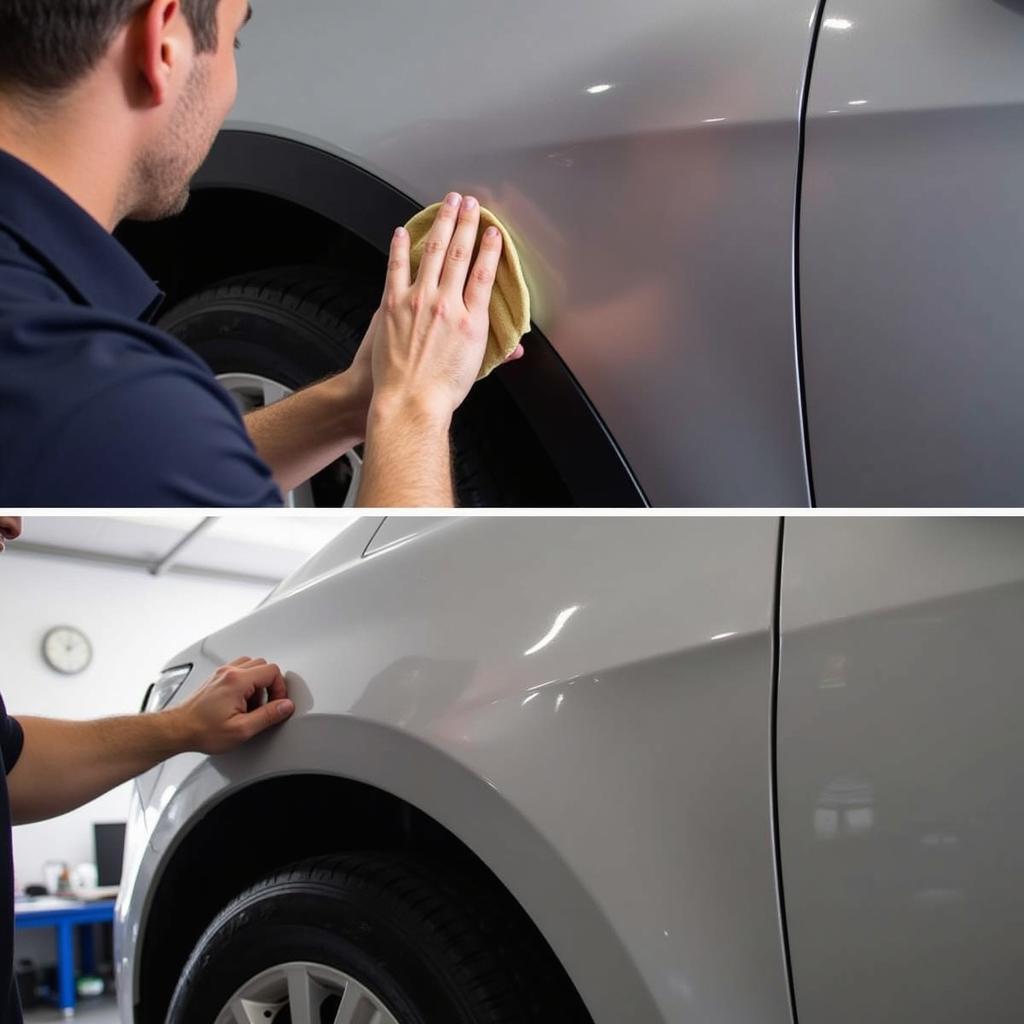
{"x":97,"y":407}
{"x":11,"y":741}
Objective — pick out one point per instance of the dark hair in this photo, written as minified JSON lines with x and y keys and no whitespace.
{"x":48,"y":45}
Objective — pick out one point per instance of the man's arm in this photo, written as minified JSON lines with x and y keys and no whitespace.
{"x":300,"y":435}
{"x":408,"y":458}
{"x":428,"y":347}
{"x":66,"y":764}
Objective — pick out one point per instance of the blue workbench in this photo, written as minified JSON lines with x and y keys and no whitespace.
{"x":65,"y":917}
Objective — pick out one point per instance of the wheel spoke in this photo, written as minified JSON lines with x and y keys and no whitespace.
{"x":274,"y":392}
{"x":350,"y":1003}
{"x":357,"y":473}
{"x":302,"y":994}
{"x":249,"y":1011}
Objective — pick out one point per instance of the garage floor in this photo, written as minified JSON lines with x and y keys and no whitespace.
{"x":96,"y":1011}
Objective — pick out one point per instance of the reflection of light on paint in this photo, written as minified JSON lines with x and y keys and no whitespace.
{"x":594,"y":90}
{"x":560,"y":620}
{"x":826,"y":822}
{"x":940,"y":839}
{"x":860,"y":819}
{"x":558,"y":700}
{"x":857,"y":103}
{"x":550,"y":682}
{"x":940,"y":897}
{"x":723,"y":636}
{"x":839,"y":24}
{"x":528,"y":699}
{"x":833,"y":111}
{"x":713,"y":120}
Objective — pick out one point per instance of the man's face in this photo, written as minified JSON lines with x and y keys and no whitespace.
{"x":10,"y":529}
{"x":166,"y":169}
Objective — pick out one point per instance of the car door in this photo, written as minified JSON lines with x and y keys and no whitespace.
{"x":911,"y":229}
{"x":900,"y":768}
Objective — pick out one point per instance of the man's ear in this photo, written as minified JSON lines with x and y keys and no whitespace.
{"x":162,"y":38}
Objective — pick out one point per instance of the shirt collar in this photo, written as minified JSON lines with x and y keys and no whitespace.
{"x":90,"y":262}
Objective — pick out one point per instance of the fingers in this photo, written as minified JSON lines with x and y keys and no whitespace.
{"x":273,"y":713}
{"x":481,"y":280}
{"x":256,"y":675}
{"x":243,"y":661}
{"x":436,"y":247}
{"x":460,"y":252}
{"x":399,"y":274}
{"x":278,"y":689}
{"x":517,"y":354}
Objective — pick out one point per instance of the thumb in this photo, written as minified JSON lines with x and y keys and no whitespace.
{"x":272,"y":713}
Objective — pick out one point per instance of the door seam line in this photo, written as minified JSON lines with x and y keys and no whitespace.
{"x":776,"y":840}
{"x":805,"y":94}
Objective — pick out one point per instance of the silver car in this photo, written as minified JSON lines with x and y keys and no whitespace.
{"x":603,"y":770}
{"x":774,"y":249}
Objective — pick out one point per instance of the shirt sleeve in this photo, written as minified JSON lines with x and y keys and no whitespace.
{"x":12,"y":739}
{"x":157,"y":438}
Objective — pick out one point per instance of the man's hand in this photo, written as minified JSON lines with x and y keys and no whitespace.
{"x":226,"y":710}
{"x":432,"y":332}
{"x":360,"y":372}
{"x":427,"y":342}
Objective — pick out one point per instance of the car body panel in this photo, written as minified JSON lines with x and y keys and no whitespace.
{"x":655,"y":219}
{"x":900,"y":715}
{"x":555,"y":692}
{"x":911,"y":229}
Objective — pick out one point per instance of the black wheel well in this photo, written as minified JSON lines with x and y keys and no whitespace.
{"x":256,"y":831}
{"x":225,"y":232}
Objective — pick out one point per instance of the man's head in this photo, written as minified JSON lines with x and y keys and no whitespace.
{"x":166,"y":67}
{"x":10,"y":529}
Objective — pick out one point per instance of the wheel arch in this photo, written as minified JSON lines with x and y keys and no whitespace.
{"x":422,"y":803}
{"x":262,"y":200}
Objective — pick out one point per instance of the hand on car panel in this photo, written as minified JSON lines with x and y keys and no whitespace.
{"x":426,"y":342}
{"x":225,"y":711}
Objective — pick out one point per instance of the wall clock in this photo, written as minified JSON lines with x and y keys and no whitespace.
{"x":67,"y":650}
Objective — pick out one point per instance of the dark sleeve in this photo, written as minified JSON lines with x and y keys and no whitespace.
{"x":158,"y":437}
{"x":12,"y":739}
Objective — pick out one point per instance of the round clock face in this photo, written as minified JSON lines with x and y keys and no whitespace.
{"x":67,"y":650}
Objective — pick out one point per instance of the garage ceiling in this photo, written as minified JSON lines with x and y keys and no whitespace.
{"x":261,"y":548}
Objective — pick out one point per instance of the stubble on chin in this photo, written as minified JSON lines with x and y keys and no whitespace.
{"x":155,"y":208}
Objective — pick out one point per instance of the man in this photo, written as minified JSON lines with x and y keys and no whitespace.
{"x":107,"y":109}
{"x":49,"y":767}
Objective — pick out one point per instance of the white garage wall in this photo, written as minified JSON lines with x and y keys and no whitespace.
{"x":135,"y":622}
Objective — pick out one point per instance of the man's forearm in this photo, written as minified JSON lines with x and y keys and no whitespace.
{"x":408,"y":458}
{"x":300,"y":435}
{"x":66,"y":764}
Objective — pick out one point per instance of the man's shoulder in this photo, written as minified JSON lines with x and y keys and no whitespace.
{"x":103,"y":412}
{"x":168,"y":437}
{"x":58,"y":359}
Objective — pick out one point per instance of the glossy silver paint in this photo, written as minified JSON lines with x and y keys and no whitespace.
{"x":585,"y":703}
{"x":644,"y":157}
{"x":901,"y":711}
{"x":912,"y":230}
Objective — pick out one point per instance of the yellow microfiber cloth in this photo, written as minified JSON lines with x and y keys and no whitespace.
{"x":510,"y":299}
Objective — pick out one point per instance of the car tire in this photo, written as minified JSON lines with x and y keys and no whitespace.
{"x":296,"y":325}
{"x":423,"y":948}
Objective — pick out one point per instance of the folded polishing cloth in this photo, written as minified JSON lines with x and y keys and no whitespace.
{"x":510,"y":299}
